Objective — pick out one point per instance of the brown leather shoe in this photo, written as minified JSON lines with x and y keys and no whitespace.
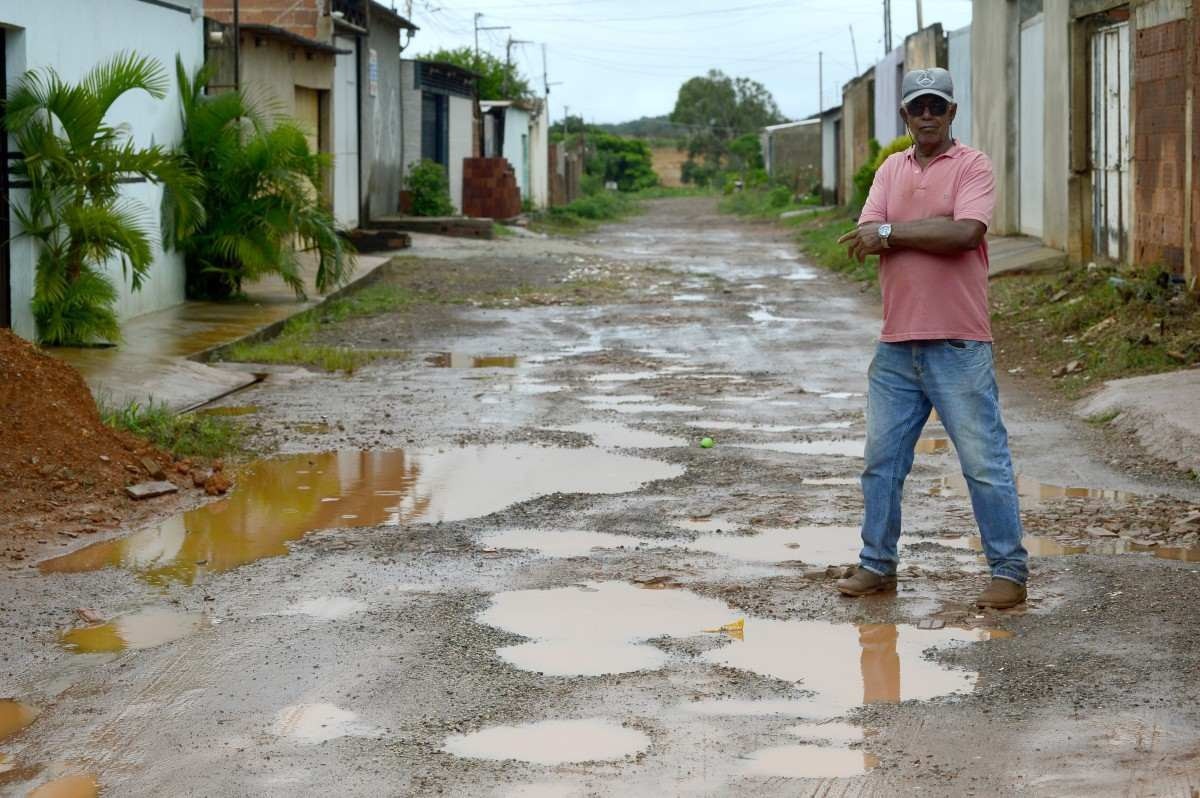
{"x":1001,"y":594}
{"x":863,"y":582}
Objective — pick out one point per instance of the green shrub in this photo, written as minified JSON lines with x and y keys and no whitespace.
{"x":779,"y":197}
{"x":865,"y":176}
{"x":430,"y":189}
{"x":623,"y":161}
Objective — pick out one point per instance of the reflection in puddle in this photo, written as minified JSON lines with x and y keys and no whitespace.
{"x":609,"y":434}
{"x":78,"y":786}
{"x":240,"y":410}
{"x":932,"y":446}
{"x":1032,"y":491}
{"x":15,"y":716}
{"x":318,"y":723}
{"x":557,"y":543}
{"x":1049,"y":547}
{"x":602,"y":628}
{"x":655,"y":408}
{"x":810,"y":762}
{"x":327,"y":608}
{"x":280,"y":500}
{"x":815,"y":545}
{"x":146,"y":628}
{"x":459,"y":360}
{"x":551,"y":742}
{"x":845,"y":448}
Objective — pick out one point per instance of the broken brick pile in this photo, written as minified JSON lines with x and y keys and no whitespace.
{"x":60,"y":465}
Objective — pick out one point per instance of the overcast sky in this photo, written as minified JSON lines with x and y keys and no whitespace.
{"x":615,"y":60}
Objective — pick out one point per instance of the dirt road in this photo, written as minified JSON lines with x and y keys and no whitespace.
{"x":495,"y":575}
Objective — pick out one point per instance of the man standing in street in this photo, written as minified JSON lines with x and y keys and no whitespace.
{"x":926,"y":217}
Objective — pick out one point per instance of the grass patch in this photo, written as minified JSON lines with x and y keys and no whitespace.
{"x":188,"y":435}
{"x":1116,"y":323}
{"x":1102,"y":419}
{"x":502,"y":230}
{"x":294,"y":344}
{"x":818,"y":234}
{"x":765,"y":203}
{"x":585,"y":213}
{"x":666,"y":192}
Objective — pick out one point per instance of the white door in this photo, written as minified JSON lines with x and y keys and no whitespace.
{"x":345,"y":132}
{"x":1032,"y":126}
{"x":1110,"y":153}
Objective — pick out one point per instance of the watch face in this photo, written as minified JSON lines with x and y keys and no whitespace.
{"x":885,"y":230}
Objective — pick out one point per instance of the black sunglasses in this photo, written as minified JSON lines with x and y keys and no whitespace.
{"x":936,"y":105}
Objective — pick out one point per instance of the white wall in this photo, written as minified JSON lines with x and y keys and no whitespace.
{"x":888,"y":124}
{"x":960,"y":72}
{"x":345,"y":132}
{"x":462,"y":129}
{"x":829,"y":148}
{"x":539,"y":155}
{"x":516,"y":125}
{"x":73,"y":36}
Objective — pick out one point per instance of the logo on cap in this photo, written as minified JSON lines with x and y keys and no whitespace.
{"x":926,"y":79}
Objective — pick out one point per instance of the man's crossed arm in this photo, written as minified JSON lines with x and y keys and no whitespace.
{"x":940,"y":235}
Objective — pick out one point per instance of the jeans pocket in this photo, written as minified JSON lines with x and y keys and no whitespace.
{"x":958,"y":343}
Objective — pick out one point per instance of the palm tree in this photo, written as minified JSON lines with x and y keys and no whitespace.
{"x":261,"y":196}
{"x":74,"y":163}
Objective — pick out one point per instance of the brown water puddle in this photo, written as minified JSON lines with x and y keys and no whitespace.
{"x":76,"y":786}
{"x":609,"y":434}
{"x":1032,"y":491}
{"x":280,"y":500}
{"x":603,"y":628}
{"x":1049,"y":547}
{"x":15,"y":716}
{"x":321,"y":722}
{"x":551,"y":742}
{"x":143,"y":629}
{"x":238,"y":410}
{"x":460,"y":360}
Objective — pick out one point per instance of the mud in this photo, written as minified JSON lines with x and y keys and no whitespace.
{"x":507,"y":594}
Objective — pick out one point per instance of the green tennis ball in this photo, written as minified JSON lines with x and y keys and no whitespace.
{"x":706,"y":443}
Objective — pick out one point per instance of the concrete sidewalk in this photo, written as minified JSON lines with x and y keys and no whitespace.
{"x":159,"y":356}
{"x":1160,"y":409}
{"x":1021,"y":255}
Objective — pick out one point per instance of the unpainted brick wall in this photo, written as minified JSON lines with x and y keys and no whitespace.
{"x":297,"y":16}
{"x":1159,"y":71}
{"x":796,"y":156}
{"x":490,"y":189}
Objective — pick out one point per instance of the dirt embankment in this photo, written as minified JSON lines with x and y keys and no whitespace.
{"x":62,"y":470}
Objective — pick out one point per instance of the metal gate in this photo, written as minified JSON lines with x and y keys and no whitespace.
{"x":1110,"y":152}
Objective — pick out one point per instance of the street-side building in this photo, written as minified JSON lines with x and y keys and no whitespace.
{"x":792,"y":153}
{"x":438,"y":102}
{"x":381,"y":126}
{"x":1097,"y":91}
{"x":518,"y":130}
{"x":72,"y":36}
{"x":858,"y":128}
{"x":831,"y":156}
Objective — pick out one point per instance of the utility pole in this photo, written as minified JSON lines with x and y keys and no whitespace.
{"x":478,"y":16}
{"x":508,"y":60}
{"x":820,"y":81}
{"x":854,"y":50}
{"x":920,"y":17}
{"x":887,"y":26}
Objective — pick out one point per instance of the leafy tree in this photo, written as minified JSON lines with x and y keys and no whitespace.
{"x":624,"y":161}
{"x":74,"y":162}
{"x":719,"y":109}
{"x":261,"y":196}
{"x":497,"y":80}
{"x":746,"y":152}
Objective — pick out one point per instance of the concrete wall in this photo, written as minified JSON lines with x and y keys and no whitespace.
{"x":888,"y":74}
{"x":829,"y":159}
{"x":410,"y":117}
{"x":926,"y":48}
{"x":381,"y":122}
{"x":959,"y":58}
{"x":796,"y":154}
{"x":73,"y":36}
{"x":539,"y":154}
{"x":516,"y":125}
{"x":993,"y":101}
{"x":462,"y":144}
{"x":272,"y":70}
{"x":857,"y":128}
{"x":346,"y":197}
{"x":1056,"y":123}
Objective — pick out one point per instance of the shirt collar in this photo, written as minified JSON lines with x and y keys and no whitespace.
{"x":954,"y":151}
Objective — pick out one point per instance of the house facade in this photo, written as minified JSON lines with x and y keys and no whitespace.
{"x":518,"y":130}
{"x":382,"y":132}
{"x":72,"y":36}
{"x":439,"y":118}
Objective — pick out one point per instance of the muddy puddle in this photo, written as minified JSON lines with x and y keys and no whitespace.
{"x":15,"y":716}
{"x":1049,"y":547}
{"x":702,"y":524}
{"x":1033,"y":491}
{"x":75,"y":786}
{"x":558,"y":543}
{"x":608,"y":434}
{"x":461,"y":360}
{"x":664,"y":407}
{"x":813,"y":545}
{"x":148,"y":628}
{"x":551,"y":742}
{"x":321,"y":722}
{"x":608,"y":627}
{"x":327,"y":608}
{"x":277,"y":501}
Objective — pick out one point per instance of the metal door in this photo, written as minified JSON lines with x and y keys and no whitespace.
{"x":345,"y":132}
{"x":1110,"y":152}
{"x":1032,"y":105}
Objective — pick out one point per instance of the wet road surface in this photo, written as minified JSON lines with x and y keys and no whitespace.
{"x":502,"y":566}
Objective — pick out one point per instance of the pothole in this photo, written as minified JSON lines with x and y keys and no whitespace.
{"x":15,"y":716}
{"x":551,"y":742}
{"x":609,"y":434}
{"x":280,"y":500}
{"x":148,"y":628}
{"x":74,"y":786}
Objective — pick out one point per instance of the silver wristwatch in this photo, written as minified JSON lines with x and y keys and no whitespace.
{"x":885,"y":230}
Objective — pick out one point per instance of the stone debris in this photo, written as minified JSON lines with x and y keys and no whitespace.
{"x":148,"y":490}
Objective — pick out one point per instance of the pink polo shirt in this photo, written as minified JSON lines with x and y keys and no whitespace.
{"x":926,"y":295}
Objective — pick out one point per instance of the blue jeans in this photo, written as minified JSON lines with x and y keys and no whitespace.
{"x":955,"y":377}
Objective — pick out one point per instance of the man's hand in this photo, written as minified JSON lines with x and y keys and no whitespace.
{"x":863,"y":241}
